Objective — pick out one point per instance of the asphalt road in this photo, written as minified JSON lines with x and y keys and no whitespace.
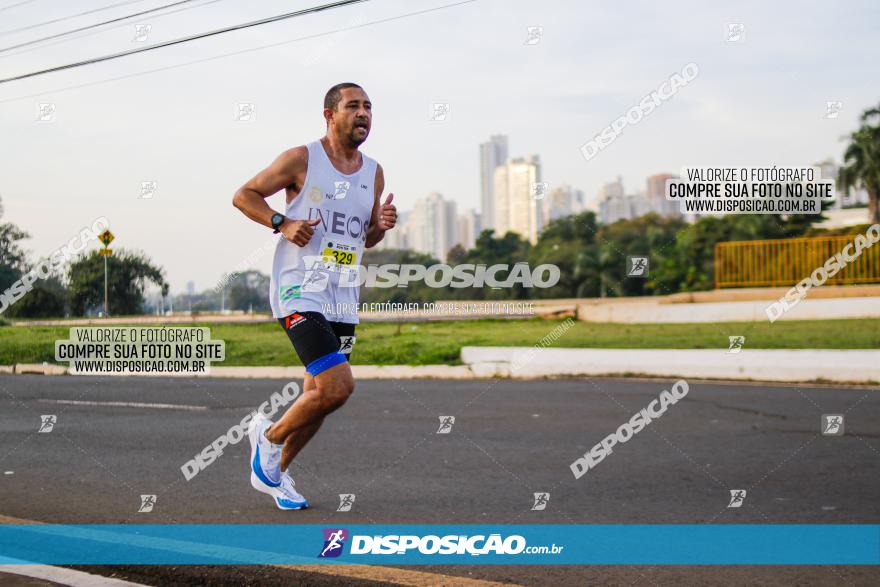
{"x":509,"y":440}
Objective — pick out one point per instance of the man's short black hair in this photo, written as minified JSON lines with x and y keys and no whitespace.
{"x":334,"y":94}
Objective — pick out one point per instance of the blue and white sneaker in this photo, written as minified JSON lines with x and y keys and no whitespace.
{"x":265,"y":457}
{"x":287,"y":497}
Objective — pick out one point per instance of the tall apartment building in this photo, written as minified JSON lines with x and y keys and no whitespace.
{"x":492,"y":154}
{"x":433,"y":226}
{"x":516,"y":208}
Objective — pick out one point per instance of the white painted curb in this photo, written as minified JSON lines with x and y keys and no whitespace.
{"x":641,"y":311}
{"x":840,"y":366}
{"x":359,"y":371}
{"x":62,"y":576}
{"x":844,"y":366}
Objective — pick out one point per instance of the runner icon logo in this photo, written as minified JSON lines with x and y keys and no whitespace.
{"x":737,"y":496}
{"x":346,"y":502}
{"x":736,"y":344}
{"x":334,"y":541}
{"x":832,"y":424}
{"x":47,"y":423}
{"x":341,"y":190}
{"x":147,"y":504}
{"x":446,"y":423}
{"x":637,"y":266}
{"x":316,"y":279}
{"x":346,"y":343}
{"x":541,"y":500}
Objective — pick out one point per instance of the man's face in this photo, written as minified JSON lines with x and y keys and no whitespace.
{"x":353,"y":116}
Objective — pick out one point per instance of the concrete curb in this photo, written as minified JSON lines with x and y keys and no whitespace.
{"x":841,"y":366}
{"x":838,"y":366}
{"x":360,"y":372}
{"x":647,"y":311}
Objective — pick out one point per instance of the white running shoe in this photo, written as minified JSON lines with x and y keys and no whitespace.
{"x":265,"y":457}
{"x":285,"y":495}
{"x":288,"y":498}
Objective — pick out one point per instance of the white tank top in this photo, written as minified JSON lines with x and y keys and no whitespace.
{"x":314,"y":278}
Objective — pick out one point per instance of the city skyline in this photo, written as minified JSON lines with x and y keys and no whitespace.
{"x":164,"y":122}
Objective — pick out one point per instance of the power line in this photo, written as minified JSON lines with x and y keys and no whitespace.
{"x":94,"y":26}
{"x":67,"y":40}
{"x":16,"y":4}
{"x":234,"y":53}
{"x":63,"y":18}
{"x":312,"y":10}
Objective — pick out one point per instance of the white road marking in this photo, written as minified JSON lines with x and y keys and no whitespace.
{"x":68,"y":577}
{"x":74,"y":402}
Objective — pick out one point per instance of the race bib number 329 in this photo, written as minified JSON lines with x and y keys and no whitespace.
{"x":338,"y":255}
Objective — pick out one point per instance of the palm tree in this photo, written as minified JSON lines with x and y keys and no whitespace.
{"x":861,"y":168}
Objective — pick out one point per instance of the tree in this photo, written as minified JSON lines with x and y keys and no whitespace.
{"x":570,"y":244}
{"x":861,"y":159}
{"x":249,"y":291}
{"x":455,"y":254}
{"x":12,"y":258}
{"x":649,"y":236}
{"x":47,"y":299}
{"x":128,"y":274}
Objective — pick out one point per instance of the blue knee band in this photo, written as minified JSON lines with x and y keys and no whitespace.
{"x":325,"y":362}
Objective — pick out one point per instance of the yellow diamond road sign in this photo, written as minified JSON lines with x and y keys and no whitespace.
{"x":106,"y":237}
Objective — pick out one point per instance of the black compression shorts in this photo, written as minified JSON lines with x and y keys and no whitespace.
{"x":320,"y":344}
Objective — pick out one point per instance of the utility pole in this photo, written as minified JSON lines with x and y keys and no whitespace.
{"x":106,"y":305}
{"x":106,"y":237}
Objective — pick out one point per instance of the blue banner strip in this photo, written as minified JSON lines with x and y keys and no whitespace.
{"x":383,"y":544}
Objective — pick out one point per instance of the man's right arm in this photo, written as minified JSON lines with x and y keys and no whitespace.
{"x":251,"y":197}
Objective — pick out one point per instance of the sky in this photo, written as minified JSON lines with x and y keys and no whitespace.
{"x":168,"y":115}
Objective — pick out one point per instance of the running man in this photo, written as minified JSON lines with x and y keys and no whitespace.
{"x":333,"y":212}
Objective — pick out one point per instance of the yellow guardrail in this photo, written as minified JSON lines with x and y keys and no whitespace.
{"x":784,"y":262}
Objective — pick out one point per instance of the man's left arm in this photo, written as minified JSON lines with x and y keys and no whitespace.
{"x":383,"y":216}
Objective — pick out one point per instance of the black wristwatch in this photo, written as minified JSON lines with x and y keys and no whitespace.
{"x":277,"y":221}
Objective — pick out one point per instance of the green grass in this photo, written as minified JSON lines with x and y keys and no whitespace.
{"x":425,"y":343}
